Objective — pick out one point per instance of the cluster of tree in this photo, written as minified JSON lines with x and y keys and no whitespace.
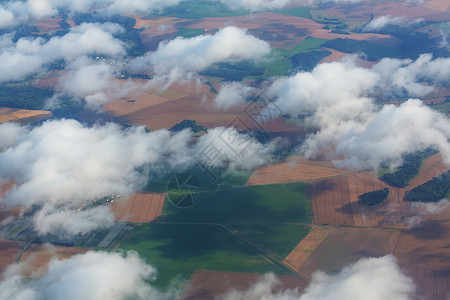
{"x":308,"y":60}
{"x":23,"y":96}
{"x":192,"y":124}
{"x":410,"y":168}
{"x":23,"y":30}
{"x":189,"y":32}
{"x":373,"y":52}
{"x":126,"y":22}
{"x":374,"y":198}
{"x":234,"y":71}
{"x":131,"y":36}
{"x":261,"y":136}
{"x":413,"y":43}
{"x":340,"y":31}
{"x":431,"y":191}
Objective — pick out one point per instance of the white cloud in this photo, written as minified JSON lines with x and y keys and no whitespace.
{"x":423,"y":212}
{"x":41,"y":8}
{"x":258,"y":4}
{"x":96,"y":82}
{"x":93,"y":275}
{"x":369,"y":278}
{"x":240,"y":150}
{"x":67,"y":222}
{"x":413,"y":78}
{"x":394,"y":131}
{"x":231,"y":94}
{"x":62,"y":164}
{"x":136,"y":6}
{"x":333,"y":98}
{"x":183,"y":55}
{"x":28,"y":56}
{"x":6,"y":18}
{"x":272,"y":4}
{"x":379,"y":23}
{"x":16,"y":12}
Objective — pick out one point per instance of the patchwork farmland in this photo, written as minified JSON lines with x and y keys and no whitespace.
{"x":139,"y":208}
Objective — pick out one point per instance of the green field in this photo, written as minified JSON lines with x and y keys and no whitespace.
{"x":373,"y":51}
{"x":301,"y":12}
{"x":279,"y":63}
{"x":178,"y":250}
{"x":201,"y":9}
{"x":309,"y":44}
{"x":278,"y":239}
{"x":270,"y":218}
{"x":276,"y":66}
{"x":277,"y":203}
{"x":443,"y":107}
{"x":190,"y":32}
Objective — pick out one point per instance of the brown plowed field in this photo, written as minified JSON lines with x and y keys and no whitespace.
{"x":335,"y":201}
{"x":8,"y":253}
{"x":23,"y":115}
{"x":152,"y":36}
{"x":376,"y":38}
{"x":399,"y":9}
{"x":306,"y":247}
{"x":428,"y":246}
{"x":292,"y":170}
{"x":335,"y":55}
{"x":8,"y":214}
{"x":432,"y":167}
{"x":429,"y":284}
{"x":347,"y":245}
{"x":143,"y":21}
{"x":439,"y":5}
{"x":38,"y":256}
{"x":208,"y":285}
{"x":48,"y":24}
{"x":143,"y":99}
{"x":276,"y":29}
{"x":141,"y":208}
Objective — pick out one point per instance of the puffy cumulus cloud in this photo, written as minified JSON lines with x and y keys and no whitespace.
{"x":93,"y":275}
{"x":67,"y":223}
{"x":263,"y":290}
{"x":394,"y":131}
{"x":413,"y":78}
{"x":62,"y":164}
{"x":329,"y":98}
{"x":257,"y":4}
{"x":183,"y":55}
{"x":28,"y":56}
{"x":6,"y":18}
{"x":16,"y":12}
{"x":96,"y":82}
{"x":333,"y":99}
{"x":272,"y":4}
{"x":231,"y":94}
{"x":135,"y":6}
{"x":369,"y":278}
{"x":65,"y":162}
{"x":235,"y":149}
{"x":9,"y":133}
{"x":379,"y":23}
